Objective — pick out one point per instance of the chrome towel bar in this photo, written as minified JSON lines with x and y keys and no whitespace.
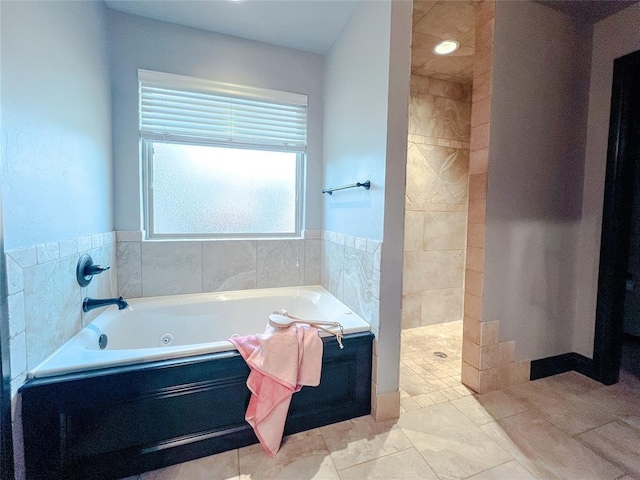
{"x":366,"y":185}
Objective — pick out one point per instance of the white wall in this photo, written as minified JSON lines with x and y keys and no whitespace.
{"x":138,"y":42}
{"x":613,"y":37}
{"x":56,"y":126}
{"x":538,"y":122}
{"x":365,"y":130}
{"x":356,"y":83}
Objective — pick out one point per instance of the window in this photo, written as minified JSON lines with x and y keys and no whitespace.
{"x":220,"y":160}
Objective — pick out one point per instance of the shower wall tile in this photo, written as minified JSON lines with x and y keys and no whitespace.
{"x":358,"y":281}
{"x":280,"y":263}
{"x":47,"y":252}
{"x":332,"y":268}
{"x":438,"y":166}
{"x":44,"y":302}
{"x":171,"y":268}
{"x":312,"y":254}
{"x":84,"y":244}
{"x":52,"y":307}
{"x":229,"y":265}
{"x":129,"y":269}
{"x":15,"y":304}
{"x":439,"y":306}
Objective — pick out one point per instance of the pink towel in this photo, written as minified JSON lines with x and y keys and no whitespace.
{"x":282,"y":361}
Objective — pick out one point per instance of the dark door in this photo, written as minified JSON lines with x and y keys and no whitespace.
{"x":619,"y":275}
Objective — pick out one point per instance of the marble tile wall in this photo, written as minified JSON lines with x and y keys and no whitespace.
{"x":436,"y":201}
{"x":153,"y":268}
{"x":45,"y":300}
{"x":350,"y":270}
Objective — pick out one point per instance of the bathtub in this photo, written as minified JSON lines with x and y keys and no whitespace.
{"x":169,"y":388}
{"x":186,"y":325}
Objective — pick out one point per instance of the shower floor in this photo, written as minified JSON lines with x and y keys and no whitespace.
{"x":426,"y":378}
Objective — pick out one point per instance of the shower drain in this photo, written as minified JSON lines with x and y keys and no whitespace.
{"x":440,"y":354}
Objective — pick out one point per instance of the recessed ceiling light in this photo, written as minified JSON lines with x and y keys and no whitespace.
{"x":446,"y":47}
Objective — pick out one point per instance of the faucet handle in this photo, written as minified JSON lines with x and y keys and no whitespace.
{"x":86,"y":269}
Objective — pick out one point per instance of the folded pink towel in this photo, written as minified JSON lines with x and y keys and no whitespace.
{"x":282,"y":361}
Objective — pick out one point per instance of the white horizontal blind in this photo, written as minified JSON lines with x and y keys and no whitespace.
{"x":178,"y":108}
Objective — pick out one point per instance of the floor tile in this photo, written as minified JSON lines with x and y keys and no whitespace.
{"x":619,"y":399}
{"x":450,"y":443}
{"x":407,"y":464}
{"x":617,"y":442}
{"x":547,"y":451}
{"x":572,"y":383}
{"x":363,"y":439}
{"x":481,"y":409}
{"x":507,"y":471}
{"x":308,"y":459}
{"x":221,"y":466}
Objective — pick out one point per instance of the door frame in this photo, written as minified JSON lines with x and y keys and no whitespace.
{"x":622,"y":154}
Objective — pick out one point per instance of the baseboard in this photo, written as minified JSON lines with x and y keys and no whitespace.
{"x":545,"y":367}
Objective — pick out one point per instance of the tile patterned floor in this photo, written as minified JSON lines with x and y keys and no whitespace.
{"x":564,"y":427}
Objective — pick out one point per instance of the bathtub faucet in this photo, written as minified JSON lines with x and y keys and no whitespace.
{"x":89,"y":304}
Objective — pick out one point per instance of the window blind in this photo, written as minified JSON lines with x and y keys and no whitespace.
{"x":179,"y":108}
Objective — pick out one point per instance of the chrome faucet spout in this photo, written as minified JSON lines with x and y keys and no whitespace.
{"x":89,"y":304}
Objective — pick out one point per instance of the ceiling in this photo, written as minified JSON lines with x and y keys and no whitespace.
{"x":588,"y":11}
{"x":434,"y":21}
{"x":309,"y":25}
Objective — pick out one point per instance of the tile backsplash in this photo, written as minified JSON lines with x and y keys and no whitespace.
{"x":152,"y":268}
{"x":45,"y":301}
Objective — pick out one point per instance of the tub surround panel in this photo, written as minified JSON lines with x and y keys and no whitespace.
{"x":167,"y":267}
{"x":229,"y":265}
{"x":436,"y":201}
{"x":171,"y":268}
{"x":280,"y":263}
{"x":45,"y":303}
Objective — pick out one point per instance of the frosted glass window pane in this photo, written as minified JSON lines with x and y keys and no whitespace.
{"x":211,"y":190}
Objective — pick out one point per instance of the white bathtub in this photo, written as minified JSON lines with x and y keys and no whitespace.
{"x":192,"y":324}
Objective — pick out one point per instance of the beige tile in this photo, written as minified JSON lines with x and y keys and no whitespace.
{"x":617,"y":442}
{"x":485,"y":11}
{"x":481,"y":87}
{"x":308,"y":458}
{"x":489,"y":357}
{"x":470,"y":376}
{"x":521,"y":372}
{"x":473,"y":282}
{"x":475,"y":259}
{"x":481,"y":111}
{"x":407,"y":464}
{"x":507,"y":471}
{"x":387,"y":406}
{"x":452,"y":445}
{"x":505,"y":376}
{"x":413,"y":229}
{"x":444,"y":231}
{"x":546,"y":451}
{"x":473,"y":306}
{"x":484,"y":35}
{"x":506,"y":352}
{"x":477,"y":210}
{"x":444,"y":305}
{"x":478,"y":186}
{"x":450,"y":264}
{"x":482,"y":61}
{"x":488,"y":380}
{"x":478,"y":160}
{"x":411,"y":310}
{"x":479,"y":137}
{"x":617,"y":399}
{"x":572,"y":383}
{"x":471,"y":353}
{"x":426,"y":115}
{"x":457,"y":119}
{"x":633,"y":420}
{"x":362,"y":439}
{"x":221,"y":466}
{"x":471,"y":330}
{"x":419,"y":84}
{"x":489,"y":333}
{"x":471,"y":408}
{"x":419,"y":172}
{"x":454,"y":91}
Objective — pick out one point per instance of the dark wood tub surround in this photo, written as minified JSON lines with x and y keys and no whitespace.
{"x":116,"y":422}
